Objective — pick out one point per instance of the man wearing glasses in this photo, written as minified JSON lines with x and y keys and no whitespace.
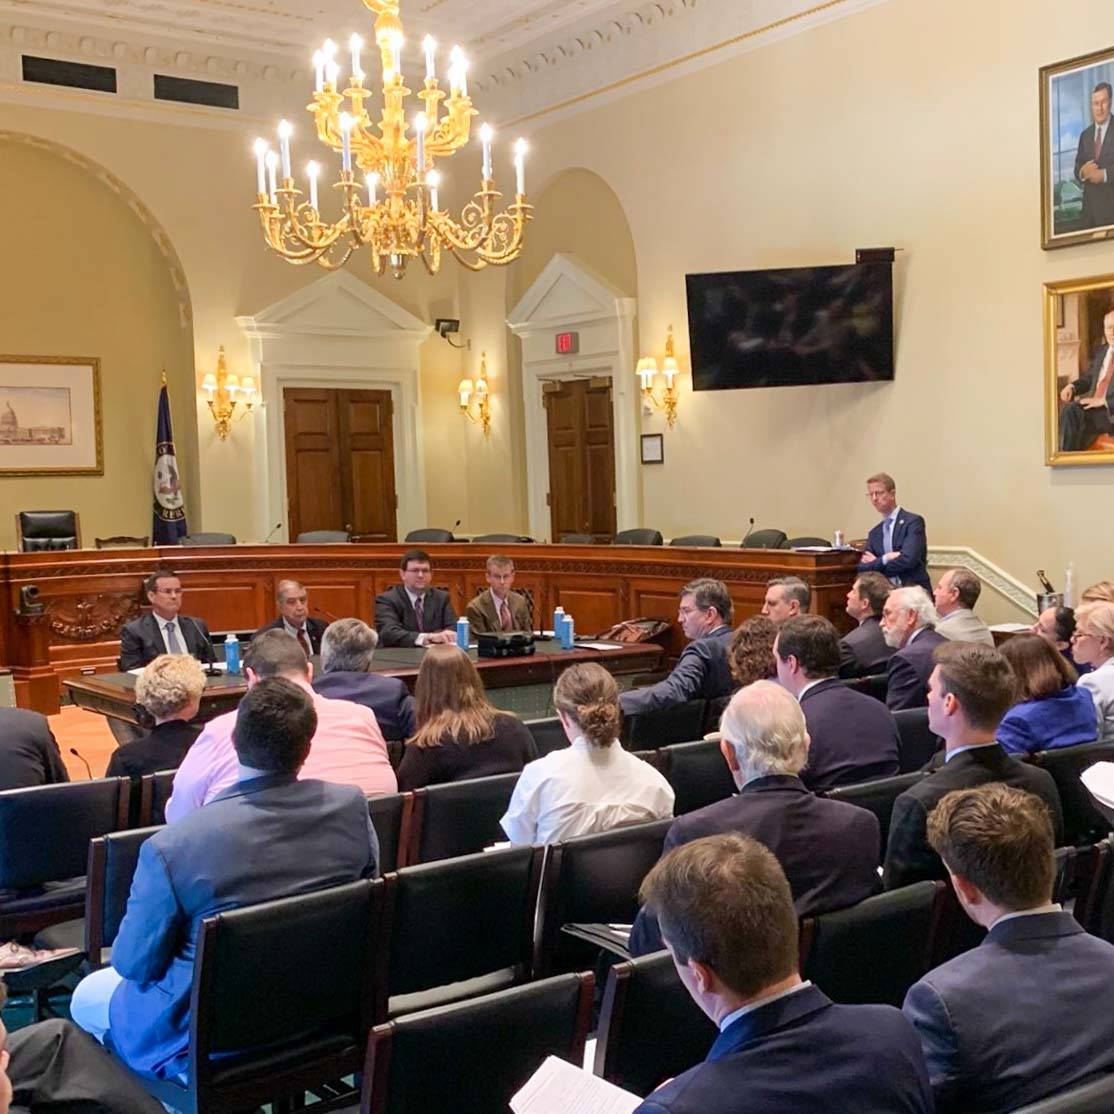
{"x":163,"y":630}
{"x":896,"y":547}
{"x":701,"y":672}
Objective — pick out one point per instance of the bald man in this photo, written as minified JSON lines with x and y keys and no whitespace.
{"x":294,"y":617}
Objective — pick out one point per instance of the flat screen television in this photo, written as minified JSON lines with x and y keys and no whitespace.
{"x":791,"y":327}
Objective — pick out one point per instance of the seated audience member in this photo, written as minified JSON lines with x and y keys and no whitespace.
{"x":907,"y":621}
{"x":29,"y":753}
{"x":955,"y":596}
{"x":1056,"y":625}
{"x":347,"y":649}
{"x":1052,"y":710}
{"x":592,"y":785}
{"x":1102,"y":592}
{"x":170,"y":689}
{"x":1093,"y":645}
{"x":828,"y":849}
{"x":460,"y":735}
{"x":897,"y":546}
{"x":864,"y":651}
{"x":970,"y":689}
{"x":1024,"y":1015}
{"x":727,"y":917}
{"x":701,"y":672}
{"x":498,"y":608}
{"x":412,"y":613}
{"x":315,"y":835}
{"x":348,"y":746}
{"x":750,"y":657}
{"x":294,"y":617}
{"x":852,"y":736}
{"x":163,"y":630}
{"x":786,"y":598}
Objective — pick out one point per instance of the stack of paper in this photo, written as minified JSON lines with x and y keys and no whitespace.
{"x":559,"y":1088}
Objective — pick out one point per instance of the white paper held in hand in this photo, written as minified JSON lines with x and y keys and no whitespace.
{"x":557,"y":1087}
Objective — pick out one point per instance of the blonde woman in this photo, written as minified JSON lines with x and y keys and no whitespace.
{"x":1093,"y":644}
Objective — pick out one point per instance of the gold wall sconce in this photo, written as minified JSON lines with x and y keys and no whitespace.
{"x":226,"y":392}
{"x":647,"y":372}
{"x":475,"y":398}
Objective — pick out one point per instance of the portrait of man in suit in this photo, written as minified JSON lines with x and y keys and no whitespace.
{"x":1094,"y":161}
{"x":1086,"y":413}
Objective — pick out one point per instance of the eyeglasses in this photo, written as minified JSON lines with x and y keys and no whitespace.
{"x":691,"y":610}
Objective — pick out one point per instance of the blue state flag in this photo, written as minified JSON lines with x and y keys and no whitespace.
{"x":169,"y":522}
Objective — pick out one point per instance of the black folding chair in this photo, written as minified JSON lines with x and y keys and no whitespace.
{"x":458,"y":818}
{"x":698,"y":773}
{"x":916,"y":744}
{"x":680,"y":723}
{"x":154,"y":791}
{"x":1083,"y":823}
{"x":548,"y":734}
{"x":390,"y":817}
{"x":877,"y":796}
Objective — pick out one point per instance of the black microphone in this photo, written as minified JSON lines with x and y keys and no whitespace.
{"x":750,"y":531}
{"x":455,"y":525}
{"x":321,"y":611}
{"x":88,"y":768}
{"x":211,"y":660}
{"x":274,"y":530}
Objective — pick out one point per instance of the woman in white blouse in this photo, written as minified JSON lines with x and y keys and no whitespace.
{"x":1093,"y":644}
{"x":593,"y":784}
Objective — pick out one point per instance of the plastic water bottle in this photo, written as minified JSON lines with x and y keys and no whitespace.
{"x":232,"y":653}
{"x":558,"y":619}
{"x":567,"y":633}
{"x":462,"y":633}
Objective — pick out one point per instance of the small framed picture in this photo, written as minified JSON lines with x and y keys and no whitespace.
{"x":653,"y":448}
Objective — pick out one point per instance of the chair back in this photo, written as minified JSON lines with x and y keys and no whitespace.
{"x":481,"y":1051}
{"x":429,"y":534}
{"x":123,"y":541}
{"x":876,"y":796}
{"x":44,"y":530}
{"x":208,"y":539}
{"x":108,"y":882}
{"x":650,"y":1029}
{"x":154,"y":791}
{"x":459,"y":817}
{"x":1083,"y":823}
{"x":1096,"y":1097}
{"x":577,"y":539}
{"x":322,"y":537}
{"x":873,"y":951}
{"x":764,"y":539}
{"x":388,"y":814}
{"x":805,"y":540}
{"x":699,"y":775}
{"x":705,"y":540}
{"x":874,"y":685}
{"x":593,"y":879}
{"x":639,"y":537}
{"x":916,"y":744}
{"x":499,"y":539}
{"x":681,"y":723}
{"x":713,"y":712}
{"x":548,"y":735}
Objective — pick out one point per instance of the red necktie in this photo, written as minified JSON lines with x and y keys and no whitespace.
{"x":305,"y":642}
{"x":504,"y":615}
{"x":418,"y":614}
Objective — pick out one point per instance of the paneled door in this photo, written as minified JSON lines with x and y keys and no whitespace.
{"x":581,"y":457}
{"x":340,"y":472}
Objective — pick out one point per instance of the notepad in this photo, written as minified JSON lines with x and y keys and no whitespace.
{"x":557,"y":1087}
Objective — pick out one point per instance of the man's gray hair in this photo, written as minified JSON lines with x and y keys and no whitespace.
{"x":917,"y":600}
{"x":766,"y":726}
{"x":284,"y":587}
{"x":794,"y":588}
{"x":706,"y":593}
{"x":347,"y":646}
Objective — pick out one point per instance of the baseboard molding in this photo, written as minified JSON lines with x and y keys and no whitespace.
{"x":1020,"y":595}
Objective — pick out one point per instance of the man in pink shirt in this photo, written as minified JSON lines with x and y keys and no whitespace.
{"x":348,"y":748}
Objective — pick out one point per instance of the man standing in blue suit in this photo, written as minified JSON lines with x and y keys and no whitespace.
{"x":1027,"y":1013}
{"x":727,"y":917}
{"x":897,"y":546}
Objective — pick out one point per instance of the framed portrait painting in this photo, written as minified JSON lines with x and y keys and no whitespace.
{"x":1079,"y":371}
{"x":50,"y":416}
{"x":1077,"y":150}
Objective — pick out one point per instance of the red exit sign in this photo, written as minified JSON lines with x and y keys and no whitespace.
{"x":568,"y":344}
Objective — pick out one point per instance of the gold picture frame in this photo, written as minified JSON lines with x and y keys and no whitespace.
{"x":50,"y":416}
{"x":1075,"y":346}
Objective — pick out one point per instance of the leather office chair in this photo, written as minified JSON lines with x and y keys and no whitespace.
{"x":877,"y":796}
{"x":639,"y":537}
{"x":430,"y":534}
{"x":458,"y":818}
{"x":548,"y":735}
{"x":154,"y":791}
{"x":207,"y":539}
{"x":496,"y":539}
{"x":44,"y":530}
{"x":804,"y":539}
{"x":764,"y":539}
{"x":650,"y":1029}
{"x":322,"y":537}
{"x":916,"y":743}
{"x":704,"y":540}
{"x":1096,"y":1097}
{"x":123,"y":541}
{"x":875,"y":685}
{"x":698,"y":773}
{"x":681,"y":723}
{"x":1083,"y":822}
{"x":389,"y":814}
{"x":577,"y":539}
{"x":475,"y":1055}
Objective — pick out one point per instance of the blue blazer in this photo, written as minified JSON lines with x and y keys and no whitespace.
{"x":1024,"y":1015}
{"x":387,"y":697}
{"x":909,"y":539}
{"x":266,"y":838}
{"x":802,"y":1054}
{"x":909,"y":671}
{"x":853,"y":737}
{"x":1064,"y":719}
{"x":701,"y":673}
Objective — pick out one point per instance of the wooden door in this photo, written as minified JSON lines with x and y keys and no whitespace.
{"x":340,"y":462}
{"x":581,"y":458}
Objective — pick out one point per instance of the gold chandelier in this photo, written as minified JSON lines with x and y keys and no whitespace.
{"x":399,"y":215}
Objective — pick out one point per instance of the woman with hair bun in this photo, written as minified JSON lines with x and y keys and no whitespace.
{"x":593,"y":784}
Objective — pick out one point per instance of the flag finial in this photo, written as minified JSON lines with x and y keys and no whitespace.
{"x":164,"y":377}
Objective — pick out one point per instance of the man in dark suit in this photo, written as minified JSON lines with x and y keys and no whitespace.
{"x":852,"y":736}
{"x":346,"y":655}
{"x":316,"y":834}
{"x":1094,"y":162}
{"x":163,"y":630}
{"x":829,"y":850}
{"x":908,"y":616}
{"x":29,"y":753}
{"x":864,"y":650}
{"x":897,"y":546}
{"x":1026,"y":1014}
{"x":412,"y":613}
{"x":294,"y":617}
{"x":970,"y":689}
{"x":1090,"y":397}
{"x":499,"y":608}
{"x":728,"y":920}
{"x":701,"y":672}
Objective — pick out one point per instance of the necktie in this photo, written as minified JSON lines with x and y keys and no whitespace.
{"x":504,"y":615}
{"x":888,"y":535}
{"x":305,"y":642}
{"x":1104,"y":379}
{"x":1098,"y":142}
{"x":173,"y":646}
{"x":418,"y":614}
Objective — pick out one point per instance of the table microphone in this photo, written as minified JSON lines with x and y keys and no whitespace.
{"x":321,"y":611}
{"x":211,"y":660}
{"x":274,"y":530}
{"x":750,"y":530}
{"x":88,"y":768}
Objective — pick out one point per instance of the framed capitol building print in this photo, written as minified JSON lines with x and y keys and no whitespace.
{"x":50,"y":416}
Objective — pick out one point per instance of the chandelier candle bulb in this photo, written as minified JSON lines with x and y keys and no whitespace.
{"x":355,"y":44}
{"x":312,"y":170}
{"x":457,"y":66}
{"x":318,"y":70}
{"x":433,"y":180}
{"x":485,"y":138}
{"x":285,"y":131}
{"x":372,"y":182}
{"x":260,"y":149}
{"x":345,"y":142}
{"x":429,"y":45}
{"x":520,"y":149}
{"x":272,"y":171}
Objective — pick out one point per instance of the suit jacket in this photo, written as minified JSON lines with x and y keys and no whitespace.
{"x":315,"y":628}
{"x":802,"y":1054}
{"x":1098,"y":198}
{"x":485,"y":620}
{"x":963,"y":625}
{"x":909,"y":539}
{"x":1024,"y":1015}
{"x":29,"y":754}
{"x":162,"y":748}
{"x":863,"y":651}
{"x":828,"y":849}
{"x":1089,"y":380}
{"x":395,"y":619}
{"x":853,"y":736}
{"x":908,"y":856}
{"x":701,"y":673}
{"x":909,"y":670}
{"x":141,"y":641}
{"x":387,"y":697}
{"x":315,"y":834}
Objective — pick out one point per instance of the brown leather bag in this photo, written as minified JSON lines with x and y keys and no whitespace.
{"x":636,"y":630}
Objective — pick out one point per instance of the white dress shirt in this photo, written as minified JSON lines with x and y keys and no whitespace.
{"x":163,"y":624}
{"x":1100,"y":682}
{"x":758,"y":1003}
{"x":583,"y":789}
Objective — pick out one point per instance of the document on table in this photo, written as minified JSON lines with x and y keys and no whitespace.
{"x":557,"y":1087}
{"x":597,"y":645}
{"x":1099,"y":780}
